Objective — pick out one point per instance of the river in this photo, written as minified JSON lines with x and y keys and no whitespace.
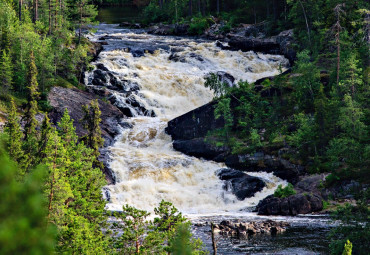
{"x":170,"y":73}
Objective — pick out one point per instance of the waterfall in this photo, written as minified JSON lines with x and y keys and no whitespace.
{"x":160,"y":78}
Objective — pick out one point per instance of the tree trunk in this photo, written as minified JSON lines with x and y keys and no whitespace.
{"x":305,"y":17}
{"x":190,"y":8}
{"x":199,"y":7}
{"x":56,"y":15}
{"x":20,"y":9}
{"x":80,"y":25}
{"x":218,"y":6}
{"x":35,"y":10}
{"x":203,"y":7}
{"x":49,"y":17}
{"x":214,"y":245}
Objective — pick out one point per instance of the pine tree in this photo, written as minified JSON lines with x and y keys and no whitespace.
{"x":6,"y":72}
{"x":13,"y":129}
{"x":91,"y":122}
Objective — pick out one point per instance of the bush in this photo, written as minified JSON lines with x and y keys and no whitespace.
{"x":199,"y":24}
{"x":284,"y":192}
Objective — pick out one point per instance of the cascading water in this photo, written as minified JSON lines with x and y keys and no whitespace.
{"x":170,"y":73}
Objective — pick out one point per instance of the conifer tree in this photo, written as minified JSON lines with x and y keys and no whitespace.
{"x":33,"y":95}
{"x":44,"y":137}
{"x":23,"y":226}
{"x":91,"y":122}
{"x":57,"y":188}
{"x":6,"y":70}
{"x":13,"y":129}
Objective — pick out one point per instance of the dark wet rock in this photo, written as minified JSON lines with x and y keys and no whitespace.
{"x":162,"y":29}
{"x":171,"y":29}
{"x":197,"y":147}
{"x":311,"y":184}
{"x":222,"y":46}
{"x":344,"y":189}
{"x":246,"y":39}
{"x":240,"y":184}
{"x":102,"y":67}
{"x":130,"y":25}
{"x":194,"y":124}
{"x":292,"y":205}
{"x":286,"y":40}
{"x":190,"y":130}
{"x":216,"y":31}
{"x":130,"y":107}
{"x":265,"y":45}
{"x":243,"y":230}
{"x":267,"y":163}
{"x":176,"y":57}
{"x":224,"y":77}
{"x":73,"y":100}
{"x":138,"y":53}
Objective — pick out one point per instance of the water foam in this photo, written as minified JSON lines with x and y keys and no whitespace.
{"x":146,"y":166}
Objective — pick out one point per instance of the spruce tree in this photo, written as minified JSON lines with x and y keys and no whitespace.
{"x":6,"y":72}
{"x":44,"y":137}
{"x":33,"y":95}
{"x":13,"y":129}
{"x":91,"y":122}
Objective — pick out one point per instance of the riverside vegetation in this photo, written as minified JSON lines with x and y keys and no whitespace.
{"x":51,"y":179}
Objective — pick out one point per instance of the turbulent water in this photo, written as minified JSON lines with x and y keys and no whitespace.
{"x":170,"y":72}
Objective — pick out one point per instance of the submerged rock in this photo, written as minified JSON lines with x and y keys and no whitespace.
{"x":241,"y":184}
{"x":243,"y":230}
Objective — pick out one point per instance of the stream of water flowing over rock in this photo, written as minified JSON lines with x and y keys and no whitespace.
{"x":160,"y":78}
{"x":170,"y":72}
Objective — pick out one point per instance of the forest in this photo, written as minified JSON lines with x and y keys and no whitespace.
{"x":51,"y":179}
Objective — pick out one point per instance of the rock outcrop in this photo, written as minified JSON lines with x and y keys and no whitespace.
{"x":240,"y":184}
{"x":189,"y":133}
{"x":73,"y":100}
{"x":243,"y":230}
{"x":292,"y":205}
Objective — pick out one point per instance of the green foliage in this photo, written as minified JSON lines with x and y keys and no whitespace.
{"x":91,"y":122}
{"x":223,"y":110}
{"x":284,"y":192}
{"x":13,"y":129}
{"x":6,"y":69}
{"x":134,"y":228}
{"x":354,"y":226}
{"x":347,"y":248}
{"x":214,"y":83}
{"x":169,"y":232}
{"x":23,"y":226}
{"x":199,"y":24}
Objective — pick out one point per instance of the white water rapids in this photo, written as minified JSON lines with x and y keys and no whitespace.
{"x":146,"y":167}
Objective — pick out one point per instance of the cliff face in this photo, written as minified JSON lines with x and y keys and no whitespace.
{"x":189,"y":133}
{"x":73,"y":100}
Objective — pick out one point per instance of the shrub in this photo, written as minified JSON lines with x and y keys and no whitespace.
{"x":199,"y":24}
{"x":284,"y":192}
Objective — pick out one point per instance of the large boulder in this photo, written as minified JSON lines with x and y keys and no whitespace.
{"x":262,"y":162}
{"x":247,"y":39}
{"x":194,"y":124}
{"x":199,"y":148}
{"x":240,"y":184}
{"x":292,"y":205}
